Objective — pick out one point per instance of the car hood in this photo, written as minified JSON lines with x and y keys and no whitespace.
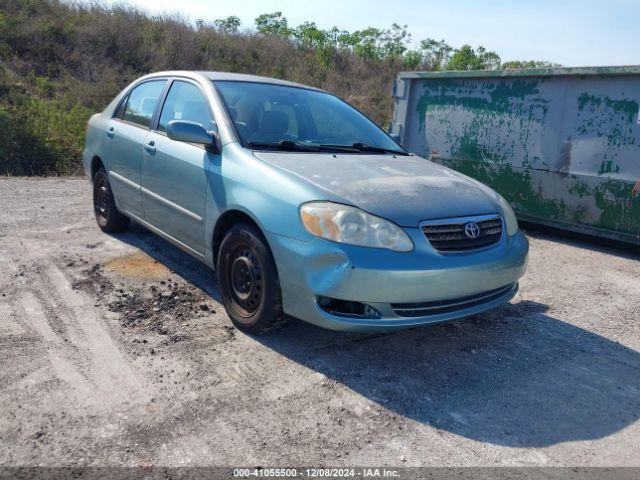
{"x":403,"y":189}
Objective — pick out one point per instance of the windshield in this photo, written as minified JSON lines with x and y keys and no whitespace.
{"x":268,"y":116}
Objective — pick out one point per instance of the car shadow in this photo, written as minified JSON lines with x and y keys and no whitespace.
{"x":172,"y":257}
{"x":517,"y":376}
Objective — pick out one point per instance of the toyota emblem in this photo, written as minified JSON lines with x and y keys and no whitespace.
{"x":472,"y":230}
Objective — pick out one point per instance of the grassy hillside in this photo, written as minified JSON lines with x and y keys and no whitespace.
{"x":60,"y":62}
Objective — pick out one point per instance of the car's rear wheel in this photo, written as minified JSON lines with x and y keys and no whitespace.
{"x":109,"y":219}
{"x":248,"y":280}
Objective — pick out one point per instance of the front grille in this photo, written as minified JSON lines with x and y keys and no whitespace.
{"x":423,"y":309}
{"x":449,"y":235}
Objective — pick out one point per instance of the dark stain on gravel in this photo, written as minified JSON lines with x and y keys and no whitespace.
{"x":168,"y":307}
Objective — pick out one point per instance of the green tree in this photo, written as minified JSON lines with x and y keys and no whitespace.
{"x":309,"y":35}
{"x":466,"y":58}
{"x":338,"y":38}
{"x":412,"y":59}
{"x":273,"y":24}
{"x":229,"y":25}
{"x":376,"y":44}
{"x":394,"y":41}
{"x":343,"y":38}
{"x":436,"y":54}
{"x":489,"y":60}
{"x":366,"y":43}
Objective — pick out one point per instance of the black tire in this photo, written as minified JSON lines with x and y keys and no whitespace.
{"x":248,"y":280}
{"x":109,"y":219}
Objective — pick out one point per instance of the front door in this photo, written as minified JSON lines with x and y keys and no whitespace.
{"x":174,"y":174}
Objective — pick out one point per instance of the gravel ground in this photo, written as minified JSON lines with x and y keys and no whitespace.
{"x":115,"y":351}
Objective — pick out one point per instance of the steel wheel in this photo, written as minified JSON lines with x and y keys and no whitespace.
{"x":101,"y":197}
{"x":245,"y":278}
{"x":107,"y":215}
{"x":248,"y":280}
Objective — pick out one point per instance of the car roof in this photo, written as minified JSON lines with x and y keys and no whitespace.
{"x":237,"y":77}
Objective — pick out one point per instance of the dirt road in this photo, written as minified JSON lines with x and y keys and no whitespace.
{"x":115,"y":351}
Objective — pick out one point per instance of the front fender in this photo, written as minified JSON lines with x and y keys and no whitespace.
{"x":236,"y":180}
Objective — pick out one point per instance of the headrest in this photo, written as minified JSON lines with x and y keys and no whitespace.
{"x":274,"y":121}
{"x":147,"y":106}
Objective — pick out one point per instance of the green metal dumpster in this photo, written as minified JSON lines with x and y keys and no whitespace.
{"x":562,"y":145}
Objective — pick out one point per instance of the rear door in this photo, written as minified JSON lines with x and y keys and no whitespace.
{"x":174,"y":174}
{"x":126,"y":133}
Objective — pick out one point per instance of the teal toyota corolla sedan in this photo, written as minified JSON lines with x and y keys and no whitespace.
{"x":302,"y":205}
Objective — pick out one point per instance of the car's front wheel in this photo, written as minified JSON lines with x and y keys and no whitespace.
{"x":109,"y":219}
{"x":248,"y":280}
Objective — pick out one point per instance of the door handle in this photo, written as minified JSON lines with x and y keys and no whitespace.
{"x":150,"y":147}
{"x":110,"y":132}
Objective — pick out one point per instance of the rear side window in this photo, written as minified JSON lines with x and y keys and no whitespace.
{"x":142,"y":102}
{"x":185,"y":101}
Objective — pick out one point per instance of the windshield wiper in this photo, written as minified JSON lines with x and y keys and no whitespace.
{"x":285,"y":145}
{"x":363,"y":147}
{"x":290,"y":145}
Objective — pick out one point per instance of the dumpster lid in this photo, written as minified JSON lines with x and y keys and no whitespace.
{"x":527,"y":72}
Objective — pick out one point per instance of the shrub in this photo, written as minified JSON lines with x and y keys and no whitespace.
{"x":41,"y":136}
{"x":61,"y":61}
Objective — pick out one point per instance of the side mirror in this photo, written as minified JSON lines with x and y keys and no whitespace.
{"x":183,"y":131}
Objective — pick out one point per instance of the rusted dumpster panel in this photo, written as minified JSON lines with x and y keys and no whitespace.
{"x":562,"y":145}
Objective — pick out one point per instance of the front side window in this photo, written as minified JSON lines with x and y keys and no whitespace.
{"x":142,"y":102}
{"x":266,"y":114}
{"x":186,"y":102}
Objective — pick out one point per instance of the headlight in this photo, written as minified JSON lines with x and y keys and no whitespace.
{"x":351,"y":225}
{"x":509,"y":217}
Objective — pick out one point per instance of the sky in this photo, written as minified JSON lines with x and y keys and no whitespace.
{"x":569,"y":32}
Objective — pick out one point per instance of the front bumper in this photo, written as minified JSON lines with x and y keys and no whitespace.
{"x":383,"y":278}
